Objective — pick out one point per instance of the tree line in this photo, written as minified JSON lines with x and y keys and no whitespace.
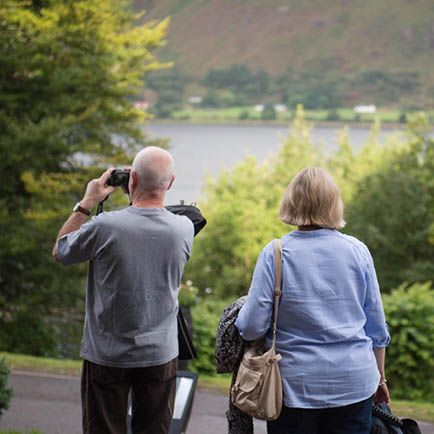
{"x":319,"y":85}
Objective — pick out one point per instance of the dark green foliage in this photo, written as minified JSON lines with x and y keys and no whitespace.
{"x":269,"y":113}
{"x":333,"y":115}
{"x":244,"y":115}
{"x":29,"y":334}
{"x":318,"y":85}
{"x":238,"y":78}
{"x":393,"y":210}
{"x":385,"y":87}
{"x":410,"y":358}
{"x":246,"y":86}
{"x":212,"y":100}
{"x":315,"y":87}
{"x":5,"y":391}
{"x":169,"y":86}
{"x":206,"y":315}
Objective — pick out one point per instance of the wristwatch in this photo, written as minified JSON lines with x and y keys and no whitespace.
{"x":79,"y":208}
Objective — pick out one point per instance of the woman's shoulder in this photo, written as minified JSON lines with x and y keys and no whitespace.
{"x":267,"y":251}
{"x":355,"y":244}
{"x":351,"y":239}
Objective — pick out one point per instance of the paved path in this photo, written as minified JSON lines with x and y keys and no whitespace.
{"x":51,"y":404}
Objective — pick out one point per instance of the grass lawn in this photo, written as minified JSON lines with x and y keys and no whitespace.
{"x":21,"y":362}
{"x":248,"y":114}
{"x":417,"y":410}
{"x":20,"y":432}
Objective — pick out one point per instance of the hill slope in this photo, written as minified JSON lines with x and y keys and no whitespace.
{"x":344,"y":36}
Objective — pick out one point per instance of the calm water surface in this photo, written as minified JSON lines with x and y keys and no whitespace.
{"x":204,"y":150}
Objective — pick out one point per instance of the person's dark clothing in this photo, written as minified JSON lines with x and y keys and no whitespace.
{"x":349,"y":419}
{"x":104,"y":397}
{"x":229,"y":350}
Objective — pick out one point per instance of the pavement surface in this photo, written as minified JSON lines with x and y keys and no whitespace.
{"x":51,"y":405}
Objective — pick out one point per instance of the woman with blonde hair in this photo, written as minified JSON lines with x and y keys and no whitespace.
{"x":331,"y":330}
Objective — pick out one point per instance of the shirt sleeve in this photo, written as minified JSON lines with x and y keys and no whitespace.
{"x":189,"y":237}
{"x":376,"y":326}
{"x":255,"y":317}
{"x":80,"y":245}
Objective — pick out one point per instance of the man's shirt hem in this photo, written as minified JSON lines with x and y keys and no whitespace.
{"x":139,"y":364}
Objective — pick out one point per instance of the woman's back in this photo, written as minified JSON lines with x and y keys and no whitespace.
{"x":329,"y":317}
{"x":324,"y":287}
{"x":328,"y":284}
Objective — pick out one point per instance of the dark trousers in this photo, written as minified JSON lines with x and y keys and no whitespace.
{"x":350,"y":419}
{"x":104,"y":398}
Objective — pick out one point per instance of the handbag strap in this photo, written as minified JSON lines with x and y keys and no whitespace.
{"x":277,"y":283}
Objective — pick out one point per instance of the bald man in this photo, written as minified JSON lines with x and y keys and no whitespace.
{"x":136,"y":259}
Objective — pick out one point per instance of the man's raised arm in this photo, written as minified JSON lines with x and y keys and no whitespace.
{"x":96,"y":191}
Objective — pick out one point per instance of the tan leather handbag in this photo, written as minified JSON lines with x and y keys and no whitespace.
{"x":257,"y":390}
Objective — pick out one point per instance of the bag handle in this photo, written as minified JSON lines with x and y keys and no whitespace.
{"x":277,"y":284}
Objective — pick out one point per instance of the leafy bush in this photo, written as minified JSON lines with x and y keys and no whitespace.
{"x":5,"y":391}
{"x":28,"y":334}
{"x":188,"y":294}
{"x":410,"y":362}
{"x":246,"y":84}
{"x":206,"y":315}
{"x":333,"y":115}
{"x":269,"y":113}
{"x":392,"y":209}
{"x":169,"y":85}
{"x":244,"y":115}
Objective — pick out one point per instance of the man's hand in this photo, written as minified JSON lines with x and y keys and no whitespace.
{"x":97,"y":190}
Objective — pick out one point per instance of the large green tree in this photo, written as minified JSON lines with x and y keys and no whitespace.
{"x":393,"y":209}
{"x":69,"y":72}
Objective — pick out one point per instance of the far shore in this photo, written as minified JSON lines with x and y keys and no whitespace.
{"x":278,"y":123}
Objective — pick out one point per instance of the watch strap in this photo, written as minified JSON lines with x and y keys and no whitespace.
{"x":79,"y":208}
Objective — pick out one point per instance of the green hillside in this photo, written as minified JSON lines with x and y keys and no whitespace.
{"x":363,"y":46}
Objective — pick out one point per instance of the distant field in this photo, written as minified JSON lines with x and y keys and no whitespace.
{"x":242,"y":114}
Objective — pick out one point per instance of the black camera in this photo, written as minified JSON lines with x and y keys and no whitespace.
{"x":119,"y":178}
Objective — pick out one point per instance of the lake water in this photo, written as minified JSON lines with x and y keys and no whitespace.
{"x":204,"y":150}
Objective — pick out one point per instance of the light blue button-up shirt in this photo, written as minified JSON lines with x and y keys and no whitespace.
{"x":330,"y":318}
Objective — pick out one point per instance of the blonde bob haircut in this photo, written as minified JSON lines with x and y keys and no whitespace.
{"x":312,"y":199}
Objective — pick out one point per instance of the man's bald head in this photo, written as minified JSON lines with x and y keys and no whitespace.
{"x":154,"y":168}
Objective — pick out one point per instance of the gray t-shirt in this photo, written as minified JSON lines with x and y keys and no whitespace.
{"x":137,"y":257}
